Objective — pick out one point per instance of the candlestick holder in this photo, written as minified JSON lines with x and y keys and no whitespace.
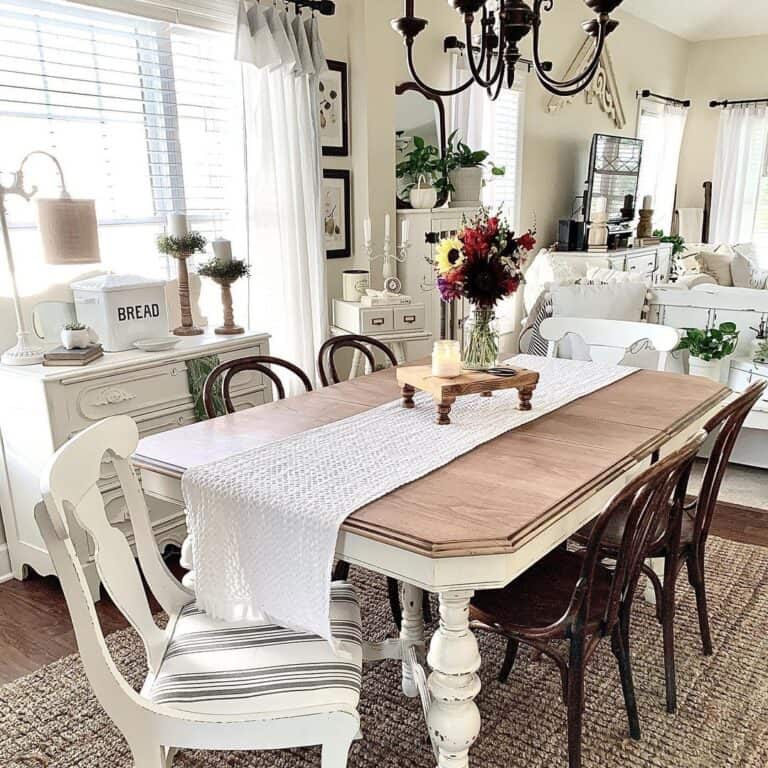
{"x":182,"y":249}
{"x":225,"y":274}
{"x":645,"y":225}
{"x":390,"y":259}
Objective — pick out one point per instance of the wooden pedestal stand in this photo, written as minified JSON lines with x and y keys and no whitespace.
{"x":645,"y":225}
{"x":229,"y":328}
{"x":187,"y":327}
{"x":445,"y":391}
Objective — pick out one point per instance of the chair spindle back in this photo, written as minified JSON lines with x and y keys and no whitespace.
{"x":326,"y":361}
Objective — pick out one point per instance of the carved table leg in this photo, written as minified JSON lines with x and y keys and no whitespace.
{"x":454,"y":719}
{"x":411,"y":633}
{"x":408,"y":392}
{"x":525,"y":394}
{"x":444,"y":410}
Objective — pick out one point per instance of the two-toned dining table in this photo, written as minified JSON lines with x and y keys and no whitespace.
{"x":475,"y":523}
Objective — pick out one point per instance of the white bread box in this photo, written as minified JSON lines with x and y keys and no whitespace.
{"x":122,"y":309}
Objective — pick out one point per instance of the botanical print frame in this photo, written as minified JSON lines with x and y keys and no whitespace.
{"x":334,"y":110}
{"x":337,"y":214}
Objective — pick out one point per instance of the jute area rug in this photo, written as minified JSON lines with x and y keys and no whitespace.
{"x":51,"y":719}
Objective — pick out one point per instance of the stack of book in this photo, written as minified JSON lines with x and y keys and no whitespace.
{"x":61,"y":356}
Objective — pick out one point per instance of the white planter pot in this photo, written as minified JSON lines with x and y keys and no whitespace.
{"x":467,"y":185}
{"x":710,"y":369}
{"x":76,"y":339}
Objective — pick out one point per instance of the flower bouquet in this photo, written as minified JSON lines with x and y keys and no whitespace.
{"x":482,"y":264}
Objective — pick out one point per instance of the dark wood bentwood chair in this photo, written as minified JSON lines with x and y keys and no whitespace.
{"x":573,"y":596}
{"x":329,"y":374}
{"x":262,"y":364}
{"x":681,"y":539}
{"x":326,"y":358}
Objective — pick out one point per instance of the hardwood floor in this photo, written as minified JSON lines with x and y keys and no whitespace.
{"x":35,"y":628}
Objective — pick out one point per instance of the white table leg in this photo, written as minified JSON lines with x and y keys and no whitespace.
{"x":398,"y":349}
{"x":411,"y":634}
{"x":454,"y":719}
{"x":357,"y":358}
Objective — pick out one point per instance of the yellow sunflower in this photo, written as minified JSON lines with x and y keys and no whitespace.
{"x":449,"y":254}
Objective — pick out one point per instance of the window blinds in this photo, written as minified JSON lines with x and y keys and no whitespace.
{"x":219,"y":15}
{"x":138,"y":111}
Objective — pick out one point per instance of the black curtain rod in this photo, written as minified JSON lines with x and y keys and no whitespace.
{"x":452,"y":43}
{"x":325,"y":7}
{"x":646,"y":94}
{"x":726,"y":102}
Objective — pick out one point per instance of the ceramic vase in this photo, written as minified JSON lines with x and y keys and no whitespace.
{"x":710,"y":369}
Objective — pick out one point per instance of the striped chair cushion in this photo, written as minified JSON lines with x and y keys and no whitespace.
{"x":253,"y":667}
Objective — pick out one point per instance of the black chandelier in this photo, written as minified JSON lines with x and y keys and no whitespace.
{"x":502,"y":27}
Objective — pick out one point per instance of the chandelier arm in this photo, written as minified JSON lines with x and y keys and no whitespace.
{"x":476,"y":67}
{"x":494,"y":95}
{"x":583,"y":78}
{"x":435,"y":91}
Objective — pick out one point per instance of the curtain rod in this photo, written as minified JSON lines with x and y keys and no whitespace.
{"x":646,"y":94}
{"x":325,"y":7}
{"x":452,"y":43}
{"x":726,"y":102}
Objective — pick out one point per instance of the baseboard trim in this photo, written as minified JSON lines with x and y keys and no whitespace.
{"x":6,"y":574}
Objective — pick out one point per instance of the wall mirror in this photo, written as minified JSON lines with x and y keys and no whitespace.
{"x":417,"y":113}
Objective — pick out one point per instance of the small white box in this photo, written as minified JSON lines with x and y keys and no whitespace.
{"x":122,"y":309}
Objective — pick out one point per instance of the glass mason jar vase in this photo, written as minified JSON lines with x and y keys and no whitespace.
{"x":481,"y":340}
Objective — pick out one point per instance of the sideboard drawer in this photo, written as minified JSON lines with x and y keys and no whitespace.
{"x":644,"y":264}
{"x":409,"y":318}
{"x":376,"y":319}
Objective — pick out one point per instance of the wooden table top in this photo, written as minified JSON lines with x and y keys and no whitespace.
{"x":491,"y":499}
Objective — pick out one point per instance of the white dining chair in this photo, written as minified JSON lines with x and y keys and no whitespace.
{"x":609,"y":341}
{"x":211,"y":685}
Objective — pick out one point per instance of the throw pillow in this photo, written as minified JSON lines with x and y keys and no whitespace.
{"x":718,"y":265}
{"x":746,"y":274}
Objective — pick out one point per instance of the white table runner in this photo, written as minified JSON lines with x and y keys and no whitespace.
{"x":263,"y":523}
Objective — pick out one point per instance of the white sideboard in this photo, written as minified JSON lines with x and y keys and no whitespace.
{"x":653,"y":261}
{"x":41,"y":408}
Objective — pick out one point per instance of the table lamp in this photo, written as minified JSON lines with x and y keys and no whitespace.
{"x":70,"y":236}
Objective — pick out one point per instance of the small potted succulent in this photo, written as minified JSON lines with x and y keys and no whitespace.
{"x":463,"y":172}
{"x":77,"y":336}
{"x":708,"y":348}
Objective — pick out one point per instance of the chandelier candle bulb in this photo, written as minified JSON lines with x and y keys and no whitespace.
{"x":222,"y":250}
{"x":177,"y":224}
{"x":446,"y":359}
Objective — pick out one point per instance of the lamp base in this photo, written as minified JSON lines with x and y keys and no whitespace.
{"x":26,"y":352}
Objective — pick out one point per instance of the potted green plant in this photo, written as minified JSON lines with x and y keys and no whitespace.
{"x":760,"y":342}
{"x":708,"y":348}
{"x":463,"y":170}
{"x":417,"y":171}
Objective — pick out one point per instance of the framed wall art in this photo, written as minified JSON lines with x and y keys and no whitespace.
{"x":337,"y":214}
{"x":334,"y":110}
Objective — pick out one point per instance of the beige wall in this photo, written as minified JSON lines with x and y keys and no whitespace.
{"x":717,"y":69}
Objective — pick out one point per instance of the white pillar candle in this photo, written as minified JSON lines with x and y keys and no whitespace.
{"x":405,"y":230}
{"x":367,"y":229}
{"x":648,"y":202}
{"x":177,"y":224}
{"x":222,"y":250}
{"x":446,"y":359}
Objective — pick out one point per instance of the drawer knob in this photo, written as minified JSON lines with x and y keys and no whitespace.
{"x":377,"y":321}
{"x":409,"y":318}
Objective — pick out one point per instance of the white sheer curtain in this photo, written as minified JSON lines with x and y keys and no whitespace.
{"x":282,"y":58}
{"x":739,"y":166}
{"x":497,"y":127}
{"x":661,"y":127}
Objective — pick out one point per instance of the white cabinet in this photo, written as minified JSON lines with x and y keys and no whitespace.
{"x":655,"y":261}
{"x":426,"y":229}
{"x":41,"y":408}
